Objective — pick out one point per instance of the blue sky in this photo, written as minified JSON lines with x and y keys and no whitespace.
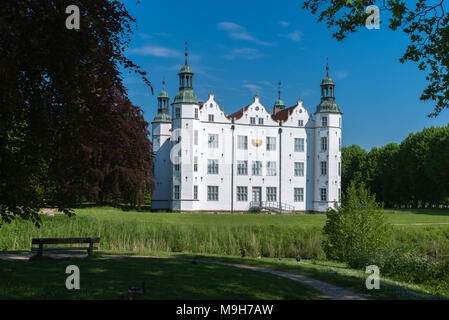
{"x":238,"y":48}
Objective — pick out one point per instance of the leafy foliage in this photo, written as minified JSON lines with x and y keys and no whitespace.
{"x":66,"y":126}
{"x":426,"y":23}
{"x":414,"y":173}
{"x":359,"y":225}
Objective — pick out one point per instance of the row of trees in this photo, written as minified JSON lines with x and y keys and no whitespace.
{"x":414,"y":173}
{"x":68,"y":132}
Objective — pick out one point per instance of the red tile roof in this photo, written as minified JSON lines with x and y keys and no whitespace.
{"x":283,"y":114}
{"x":238,"y":114}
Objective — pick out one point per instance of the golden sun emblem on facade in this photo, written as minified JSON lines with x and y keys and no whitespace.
{"x":257,"y":142}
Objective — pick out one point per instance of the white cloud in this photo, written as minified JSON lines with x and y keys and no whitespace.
{"x":294,"y":36}
{"x":244,"y":53}
{"x":156,"y":51}
{"x":254,"y":88}
{"x":237,"y":32}
{"x":284,"y":23}
{"x":341,"y":74}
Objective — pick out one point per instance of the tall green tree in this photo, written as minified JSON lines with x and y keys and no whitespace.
{"x":426,"y":22}
{"x":354,"y":166}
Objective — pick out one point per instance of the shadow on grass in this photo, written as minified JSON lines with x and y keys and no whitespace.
{"x":428,"y":212}
{"x":102,"y":278}
{"x":356,"y":282}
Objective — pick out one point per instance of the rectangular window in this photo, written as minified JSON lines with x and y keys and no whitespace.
{"x":213,"y":141}
{"x":242,"y":168}
{"x":299,"y":169}
{"x":242,"y":142}
{"x":339,"y":122}
{"x":177,"y":192}
{"x":212,"y":193}
{"x":271,"y":143}
{"x":323,"y":168}
{"x":323,"y":193}
{"x":271,"y":194}
{"x":324,"y":121}
{"x":252,"y":120}
{"x":339,"y":169}
{"x":300,"y":123}
{"x":177,"y":112}
{"x":242,"y":193}
{"x":195,"y":192}
{"x":260,"y":120}
{"x":323,"y":143}
{"x":299,"y":144}
{"x":257,"y":168}
{"x":177,"y":167}
{"x":299,"y":194}
{"x":195,"y":164}
{"x":212,"y":166}
{"x":196,"y":113}
{"x":195,"y":137}
{"x":339,"y":144}
{"x":211,"y":118}
{"x":271,"y":168}
{"x":339,"y":195}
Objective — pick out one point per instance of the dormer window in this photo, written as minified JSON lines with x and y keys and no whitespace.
{"x":252,"y":120}
{"x":300,"y":123}
{"x":261,"y":121}
{"x":211,"y":118}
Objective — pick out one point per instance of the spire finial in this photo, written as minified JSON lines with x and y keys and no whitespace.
{"x":279,"y":89}
{"x":186,"y":53}
{"x":163,"y":82}
{"x":327,"y":67}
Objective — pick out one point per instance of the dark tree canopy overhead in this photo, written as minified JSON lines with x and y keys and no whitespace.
{"x":67,"y":129}
{"x":425,"y":21}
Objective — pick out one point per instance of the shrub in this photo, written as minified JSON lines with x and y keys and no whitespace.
{"x":409,"y":266}
{"x":359,"y":225}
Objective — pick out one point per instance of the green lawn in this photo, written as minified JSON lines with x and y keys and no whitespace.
{"x":102,"y":278}
{"x":402,"y":217}
{"x":222,"y":236}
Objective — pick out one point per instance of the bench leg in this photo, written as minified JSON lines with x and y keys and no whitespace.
{"x":91,"y":248}
{"x":41,"y":249}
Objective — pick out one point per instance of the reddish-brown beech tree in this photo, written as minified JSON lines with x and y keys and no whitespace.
{"x":67,"y":129}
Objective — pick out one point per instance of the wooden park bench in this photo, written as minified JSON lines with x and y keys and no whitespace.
{"x":44,"y":241}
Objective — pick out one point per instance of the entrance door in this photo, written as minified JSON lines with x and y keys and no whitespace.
{"x":257,"y":195}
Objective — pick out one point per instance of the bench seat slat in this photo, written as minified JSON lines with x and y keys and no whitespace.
{"x":64,"y":240}
{"x":63,"y":249}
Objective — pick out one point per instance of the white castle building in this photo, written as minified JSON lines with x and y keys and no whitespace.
{"x":207,"y":160}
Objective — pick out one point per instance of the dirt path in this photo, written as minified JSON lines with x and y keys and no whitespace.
{"x":329,"y":291}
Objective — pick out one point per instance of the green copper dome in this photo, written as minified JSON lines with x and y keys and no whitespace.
{"x":279,"y":103}
{"x":328,"y":106}
{"x":186,"y":69}
{"x":163,"y":94}
{"x":162,"y":117}
{"x":327,"y":81}
{"x":186,"y":96}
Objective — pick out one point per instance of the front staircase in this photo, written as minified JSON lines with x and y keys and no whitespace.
{"x":272,"y":207}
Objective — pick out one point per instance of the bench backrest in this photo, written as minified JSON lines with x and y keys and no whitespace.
{"x":64,"y":240}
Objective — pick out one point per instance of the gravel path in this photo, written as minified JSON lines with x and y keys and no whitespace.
{"x":329,"y":291}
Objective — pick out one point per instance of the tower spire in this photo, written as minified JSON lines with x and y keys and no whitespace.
{"x":186,"y":54}
{"x":279,"y":89}
{"x":327,"y":67}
